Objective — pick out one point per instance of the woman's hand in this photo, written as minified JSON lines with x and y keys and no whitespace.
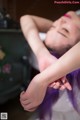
{"x":34,"y":94}
{"x":44,"y":62}
{"x":61,"y":84}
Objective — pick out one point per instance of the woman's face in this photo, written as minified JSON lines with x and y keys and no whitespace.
{"x":64,"y":33}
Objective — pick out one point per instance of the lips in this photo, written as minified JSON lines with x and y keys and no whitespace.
{"x":67,"y":15}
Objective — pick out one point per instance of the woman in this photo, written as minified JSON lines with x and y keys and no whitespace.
{"x":67,"y":30}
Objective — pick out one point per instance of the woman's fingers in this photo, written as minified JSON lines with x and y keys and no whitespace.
{"x":57,"y":85}
{"x":61,"y":84}
{"x":66,"y":83}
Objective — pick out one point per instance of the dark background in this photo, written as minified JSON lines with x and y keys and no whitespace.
{"x":43,"y":8}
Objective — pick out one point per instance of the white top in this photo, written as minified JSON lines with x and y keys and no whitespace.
{"x":42,"y":36}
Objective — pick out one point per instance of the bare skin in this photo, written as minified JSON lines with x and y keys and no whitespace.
{"x":31,"y":34}
{"x":40,"y":82}
{"x":26,"y":97}
{"x":29,"y":99}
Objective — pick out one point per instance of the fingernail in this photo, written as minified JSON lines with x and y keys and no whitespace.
{"x":70,"y":88}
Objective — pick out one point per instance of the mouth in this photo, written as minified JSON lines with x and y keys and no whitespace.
{"x":67,"y":15}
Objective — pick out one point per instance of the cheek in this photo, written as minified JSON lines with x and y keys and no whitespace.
{"x":75,"y":37}
{"x":55,"y":40}
{"x":74,"y":33}
{"x":50,"y":39}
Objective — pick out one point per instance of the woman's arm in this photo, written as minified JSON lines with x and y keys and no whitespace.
{"x":31,"y":26}
{"x":38,"y":86}
{"x":69,"y":62}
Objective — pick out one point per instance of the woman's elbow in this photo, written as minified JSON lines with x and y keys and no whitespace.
{"x":24,"y":18}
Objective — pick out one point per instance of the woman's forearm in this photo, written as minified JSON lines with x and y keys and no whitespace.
{"x":69,"y":62}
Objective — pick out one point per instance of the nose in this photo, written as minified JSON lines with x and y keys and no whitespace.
{"x":62,"y":20}
{"x":59,"y":23}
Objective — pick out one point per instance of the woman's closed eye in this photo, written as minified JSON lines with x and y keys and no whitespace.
{"x":63,"y":29}
{"x":65,"y":32}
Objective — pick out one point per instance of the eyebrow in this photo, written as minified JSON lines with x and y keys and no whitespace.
{"x":62,"y":34}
